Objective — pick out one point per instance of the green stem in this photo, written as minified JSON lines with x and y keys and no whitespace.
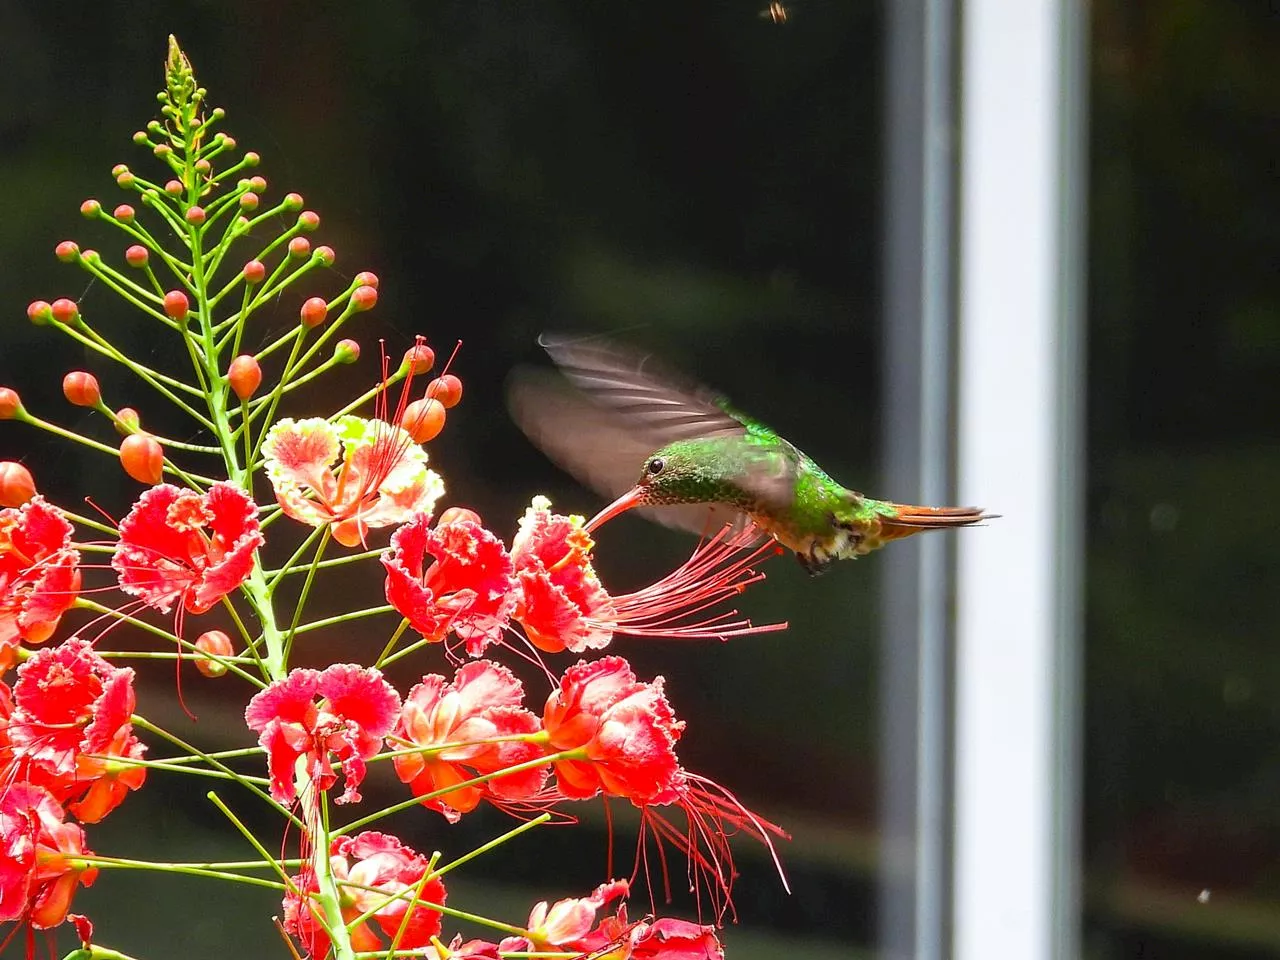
{"x":341,"y":618}
{"x":493,"y":844}
{"x":120,"y":863}
{"x":305,"y":592}
{"x":474,"y":781}
{"x":391,"y":644}
{"x":84,"y":603}
{"x":274,"y":576}
{"x":181,"y":744}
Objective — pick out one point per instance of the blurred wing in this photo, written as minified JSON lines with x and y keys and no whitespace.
{"x":598,"y":446}
{"x":649,"y":398}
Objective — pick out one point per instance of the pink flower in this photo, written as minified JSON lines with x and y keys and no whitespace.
{"x":180,"y":545}
{"x":70,"y":729}
{"x":356,"y":709}
{"x":380,"y":477}
{"x":376,"y":875}
{"x":39,"y":574}
{"x":38,"y":875}
{"x":467,"y":589}
{"x":484,"y":701}
{"x":562,"y":604}
{"x":623,"y":734}
{"x":566,"y":924}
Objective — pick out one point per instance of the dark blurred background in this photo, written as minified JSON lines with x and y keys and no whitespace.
{"x":710,"y":182}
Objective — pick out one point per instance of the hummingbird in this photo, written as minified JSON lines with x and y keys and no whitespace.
{"x":634,"y":430}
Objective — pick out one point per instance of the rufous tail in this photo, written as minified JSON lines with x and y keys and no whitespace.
{"x":912,"y":519}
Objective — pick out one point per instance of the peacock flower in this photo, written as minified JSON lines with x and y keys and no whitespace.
{"x":352,"y":474}
{"x":621,"y":733}
{"x":193,"y":548}
{"x":39,"y":574}
{"x":460,"y":727}
{"x":466,"y":587}
{"x":70,"y":728}
{"x":383,"y":897}
{"x":41,"y":857}
{"x":561,"y":603}
{"x":355,"y":710}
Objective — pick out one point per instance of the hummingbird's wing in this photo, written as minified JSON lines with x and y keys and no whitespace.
{"x":662,"y":406}
{"x":659,"y":402}
{"x":598,"y":445}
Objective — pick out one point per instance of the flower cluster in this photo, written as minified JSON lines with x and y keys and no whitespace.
{"x":240,"y":525}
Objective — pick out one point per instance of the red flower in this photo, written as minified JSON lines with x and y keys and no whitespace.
{"x":376,"y":875}
{"x":109,"y":744}
{"x":38,"y":851}
{"x":180,"y":545}
{"x":70,"y":730}
{"x":663,"y":939}
{"x":467,"y":589}
{"x":380,"y":478}
{"x":669,"y":939}
{"x":566,"y":924}
{"x":484,"y":701}
{"x":357,"y":708}
{"x":39,"y":574}
{"x":561,"y":605}
{"x":622,"y":732}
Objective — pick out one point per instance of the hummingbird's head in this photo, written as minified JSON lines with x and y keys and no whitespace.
{"x":680,"y":472}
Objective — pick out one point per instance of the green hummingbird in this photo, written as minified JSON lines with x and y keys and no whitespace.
{"x":652,"y":439}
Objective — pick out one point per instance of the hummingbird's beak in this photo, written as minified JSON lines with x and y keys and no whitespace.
{"x":634,"y":497}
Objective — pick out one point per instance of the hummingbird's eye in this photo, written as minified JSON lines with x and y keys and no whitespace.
{"x":655,"y":466}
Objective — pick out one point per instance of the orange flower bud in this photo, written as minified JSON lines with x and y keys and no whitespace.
{"x":313,"y":312}
{"x":244,"y":375}
{"x":176,"y":304}
{"x":363,"y":298}
{"x":128,"y":421}
{"x":10,"y":403}
{"x":217,"y":643}
{"x":64,"y":310}
{"x":457,"y":515}
{"x":447,"y":389}
{"x":16,"y":484}
{"x":81,"y":389}
{"x":422,"y":357}
{"x":142,"y":458}
{"x":39,"y":312}
{"x":423,"y":419}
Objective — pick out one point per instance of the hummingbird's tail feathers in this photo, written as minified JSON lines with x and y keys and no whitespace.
{"x":909,"y":519}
